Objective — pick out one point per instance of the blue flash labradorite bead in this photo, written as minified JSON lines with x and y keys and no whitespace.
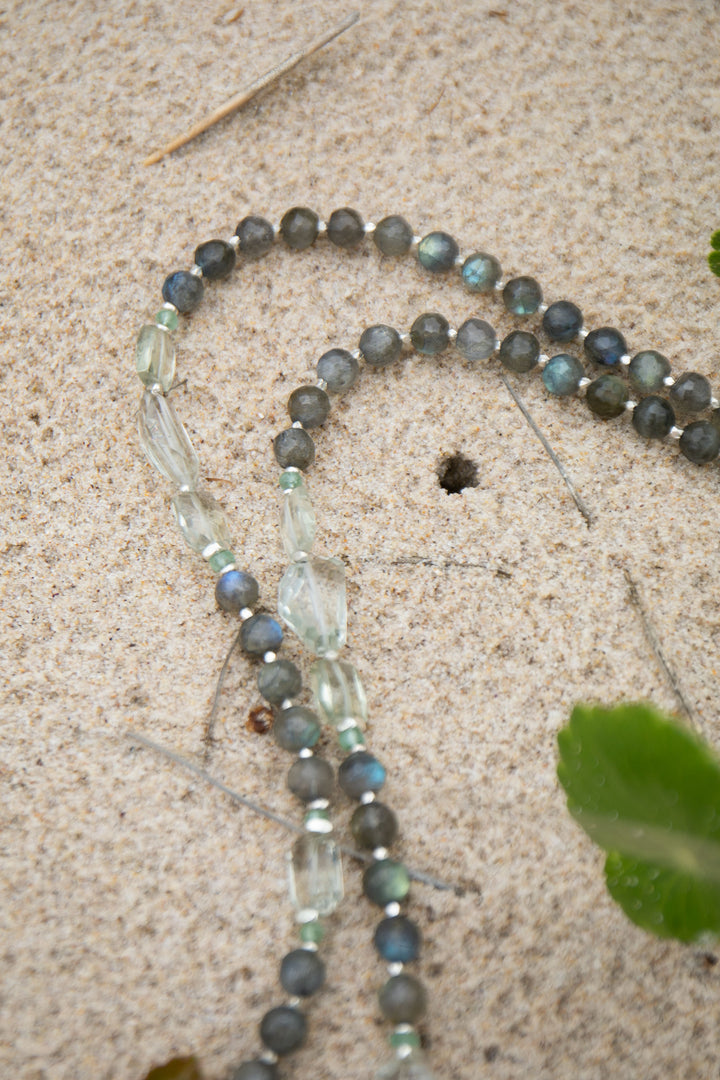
{"x":345,"y":228}
{"x":256,"y":236}
{"x":339,"y":369}
{"x":380,"y":345}
{"x":605,"y":346}
{"x":216,"y":259}
{"x":522,"y":296}
{"x":361,"y":772}
{"x":255,"y":1070}
{"x":299,"y":228}
{"x":648,"y":370}
{"x":260,"y":634}
{"x":397,"y":940}
{"x":700,"y":442}
{"x":236,"y":590}
{"x":293,"y":446}
{"x":283,"y":1029}
{"x":393,"y":235}
{"x":653,"y":417}
{"x":691,"y":392}
{"x":562,"y":374}
{"x":296,"y":728}
{"x":437,"y":252}
{"x":475,"y":340}
{"x":403,"y":999}
{"x":386,"y":881}
{"x":311,"y":778}
{"x":562,"y":321}
{"x":279,"y":680}
{"x":430,"y":334}
{"x":302,"y":973}
{"x":481,"y":272}
{"x":184,"y":290}
{"x":520,"y":351}
{"x":310,"y":405}
{"x":606,"y":397}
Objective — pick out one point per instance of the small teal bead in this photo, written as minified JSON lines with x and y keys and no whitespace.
{"x":167,"y":318}
{"x":481,"y":272}
{"x":561,"y":375}
{"x":647,"y":370}
{"x":361,"y":772}
{"x":437,"y":252}
{"x":522,"y":296}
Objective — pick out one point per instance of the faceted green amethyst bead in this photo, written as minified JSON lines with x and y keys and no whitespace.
{"x":339,"y":694}
{"x":201,"y":521}
{"x":316,"y":881}
{"x":297,"y":521}
{"x":311,"y":600}
{"x":167,"y":318}
{"x":165,"y":441}
{"x":290,"y":479}
{"x":410,"y":1066}
{"x":155,"y":357}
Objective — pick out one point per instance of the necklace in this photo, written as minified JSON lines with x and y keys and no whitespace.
{"x":311,"y":597}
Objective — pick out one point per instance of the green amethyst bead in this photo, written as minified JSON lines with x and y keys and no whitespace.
{"x":562,"y":374}
{"x":311,"y":600}
{"x":167,"y":318}
{"x":201,"y":521}
{"x":289,"y":480}
{"x":606,"y":397}
{"x":386,"y":881}
{"x":648,"y":370}
{"x":315,"y":870}
{"x":166,"y":442}
{"x":220,"y":560}
{"x":297,"y":521}
{"x":481,"y":272}
{"x":155,"y":357}
{"x":338,"y":691}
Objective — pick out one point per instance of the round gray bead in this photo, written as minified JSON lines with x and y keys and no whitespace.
{"x":520,"y":351}
{"x":522,"y":296}
{"x":361,"y":772}
{"x":476,"y":340}
{"x":279,"y":680}
{"x":256,"y":237}
{"x":653,"y":417}
{"x":311,"y":778}
{"x":700,"y":442}
{"x":403,"y":999}
{"x":380,"y":345}
{"x":437,"y":252}
{"x":302,"y":973}
{"x":260,"y":634}
{"x":562,"y":320}
{"x":374,"y":825}
{"x":345,"y":228}
{"x":393,"y":235}
{"x":255,"y":1070}
{"x":691,"y":392}
{"x":647,"y":370}
{"x":310,"y":405}
{"x":339,"y":369}
{"x":299,"y":227}
{"x":216,"y":259}
{"x":296,"y":728}
{"x":430,"y":334}
{"x":184,"y":290}
{"x":236,"y":589}
{"x":283,"y":1029}
{"x":293,"y":446}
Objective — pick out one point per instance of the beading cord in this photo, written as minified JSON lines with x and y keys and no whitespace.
{"x":311,"y":595}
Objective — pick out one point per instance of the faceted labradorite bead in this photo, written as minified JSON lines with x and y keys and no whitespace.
{"x":167,"y":318}
{"x":345,"y":228}
{"x":606,"y":397}
{"x":216,"y":259}
{"x":475,"y":340}
{"x":316,"y":882}
{"x":393,"y":235}
{"x":522,"y":296}
{"x":481,"y":272}
{"x":200,"y":520}
{"x":691,"y":392}
{"x":236,"y":590}
{"x":338,"y":692}
{"x":437,"y":252}
{"x":605,"y":346}
{"x":311,"y":600}
{"x":648,"y":370}
{"x":184,"y":290}
{"x":255,"y":1070}
{"x":361,"y":772}
{"x":562,"y":321}
{"x":430,"y":334}
{"x":520,"y":351}
{"x":339,"y":369}
{"x":310,"y":405}
{"x":297,"y":521}
{"x":155,"y":357}
{"x":380,"y":345}
{"x":409,"y":1067}
{"x":403,"y":999}
{"x":260,"y":634}
{"x":299,"y":227}
{"x":220,"y":559}
{"x":700,"y":442}
{"x":386,"y":881}
{"x":283,"y":1029}
{"x":293,"y":446}
{"x":279,"y":680}
{"x":562,"y":374}
{"x":256,"y":236}
{"x":653,"y":417}
{"x":296,"y":728}
{"x":165,"y":441}
{"x":374,"y":825}
{"x":397,"y":940}
{"x":302,"y":973}
{"x":290,"y":479}
{"x":311,"y":778}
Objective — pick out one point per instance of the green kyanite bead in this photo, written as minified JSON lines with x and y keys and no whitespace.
{"x":351,"y":738}
{"x":220,"y":560}
{"x":312,"y":931}
{"x":289,"y":480}
{"x":318,"y":821}
{"x":404,"y":1038}
{"x":167,"y":318}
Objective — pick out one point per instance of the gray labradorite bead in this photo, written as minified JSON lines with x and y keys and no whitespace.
{"x":260,"y":634}
{"x":522,"y":296}
{"x":345,"y":228}
{"x":374,"y":825}
{"x":361,"y":772}
{"x":476,"y":340}
{"x":299,"y":227}
{"x":561,"y":374}
{"x":691,"y":392}
{"x":216,"y":259}
{"x":653,"y":417}
{"x":403,"y":999}
{"x":184,"y":290}
{"x":302,"y":973}
{"x":605,"y":346}
{"x":481,"y":272}
{"x":606,"y":397}
{"x":700,"y":442}
{"x":380,"y":345}
{"x":311,"y":778}
{"x":296,"y":728}
{"x":397,"y":940}
{"x":437,"y":252}
{"x":385,"y":881}
{"x":339,"y":369}
{"x":562,"y":321}
{"x":647,"y":370}
{"x":255,"y":1070}
{"x":430,"y":334}
{"x":393,"y":235}
{"x":256,"y":236}
{"x":293,"y":446}
{"x":310,"y":405}
{"x":236,"y":590}
{"x":283,"y":1029}
{"x":279,"y":680}
{"x":519,"y":351}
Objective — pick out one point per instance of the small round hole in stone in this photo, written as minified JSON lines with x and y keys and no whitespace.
{"x":457,"y":472}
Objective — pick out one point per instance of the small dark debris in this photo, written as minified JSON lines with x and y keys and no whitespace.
{"x":491,"y":1052}
{"x":455,"y":473}
{"x":260,"y":720}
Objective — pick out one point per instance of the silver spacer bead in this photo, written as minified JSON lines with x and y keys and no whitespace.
{"x":403,"y":1051}
{"x":245,"y":613}
{"x":196,"y":271}
{"x":582,"y":333}
{"x":309,"y":946}
{"x":405,"y":338}
{"x":714,"y":403}
{"x":321,"y":384}
{"x":367,"y":797}
{"x":356,"y":354}
{"x":297,"y":423}
{"x":300,"y":556}
{"x":380,"y":853}
{"x":234,"y":241}
{"x":369,"y":228}
{"x":306,"y":915}
{"x":357,"y":749}
{"x":322,"y":228}
{"x":230,"y":566}
{"x":321,"y":826}
{"x":668,"y":381}
{"x":460,"y":261}
{"x":293,"y":1002}
{"x":625,"y":359}
{"x":543,"y":359}
{"x":318,"y":804}
{"x":452,"y":333}
{"x":630,"y":405}
{"x":542,"y":308}
{"x":167,"y":306}
{"x":291,"y":468}
{"x":675,"y":432}
{"x":165,"y":329}
{"x":269,"y":1057}
{"x":286,"y":703}
{"x":346,"y":724}
{"x":395,"y":968}
{"x":392,"y":910}
{"x":306,"y":752}
{"x":209,"y":551}
{"x":584,"y":382}
{"x":499,"y":285}
{"x":415,"y":241}
{"x":497,"y":345}
{"x":269,"y":656}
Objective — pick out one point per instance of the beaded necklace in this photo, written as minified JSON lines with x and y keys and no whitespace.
{"x":311,"y":595}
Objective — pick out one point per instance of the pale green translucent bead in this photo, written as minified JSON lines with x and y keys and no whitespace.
{"x":311,"y":600}
{"x":201,"y":521}
{"x":297,"y":521}
{"x":338,"y":691}
{"x":165,"y":441}
{"x":315,"y":872}
{"x":155,"y":357}
{"x":412,"y":1066}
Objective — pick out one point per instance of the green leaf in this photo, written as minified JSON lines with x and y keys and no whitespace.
{"x":714,"y":261}
{"x":647,"y":790}
{"x":715,"y":240}
{"x":185,"y":1068}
